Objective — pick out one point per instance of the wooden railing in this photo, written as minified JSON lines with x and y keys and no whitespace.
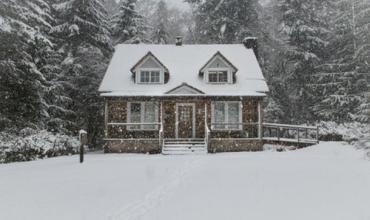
{"x":290,"y":133}
{"x":272,"y":132}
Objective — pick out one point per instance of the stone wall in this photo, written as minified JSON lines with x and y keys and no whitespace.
{"x":132,"y":146}
{"x":234,"y":145}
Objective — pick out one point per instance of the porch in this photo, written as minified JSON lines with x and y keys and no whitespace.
{"x":184,"y":125}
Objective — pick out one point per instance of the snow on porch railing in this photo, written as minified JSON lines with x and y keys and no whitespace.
{"x":290,"y":133}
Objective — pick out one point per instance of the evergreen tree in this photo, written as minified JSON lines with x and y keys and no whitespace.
{"x":340,"y":82}
{"x":226,"y":21}
{"x":111,"y":6}
{"x":23,"y":79}
{"x":128,"y":26}
{"x":85,"y":45}
{"x":306,"y":33}
{"x":160,"y":34}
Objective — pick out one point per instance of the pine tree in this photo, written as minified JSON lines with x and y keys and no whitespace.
{"x":226,"y":21}
{"x":128,"y":26}
{"x":82,"y":21}
{"x":306,"y":33}
{"x":160,"y":34}
{"x":340,"y":82}
{"x":23,"y":81}
{"x":84,"y":41}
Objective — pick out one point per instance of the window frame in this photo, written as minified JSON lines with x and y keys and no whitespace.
{"x":210,"y":70}
{"x":150,"y":70}
{"x":226,"y":115}
{"x":142,"y":116}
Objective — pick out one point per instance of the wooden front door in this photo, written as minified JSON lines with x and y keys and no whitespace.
{"x":185,"y":121}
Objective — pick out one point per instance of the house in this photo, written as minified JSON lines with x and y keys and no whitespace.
{"x":176,"y":98}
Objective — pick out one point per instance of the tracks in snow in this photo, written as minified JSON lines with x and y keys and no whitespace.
{"x":137,"y":209}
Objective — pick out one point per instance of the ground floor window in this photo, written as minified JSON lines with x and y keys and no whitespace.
{"x":142,"y":112}
{"x":226,"y":115}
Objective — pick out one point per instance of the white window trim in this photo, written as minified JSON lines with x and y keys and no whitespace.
{"x":226,"y":103}
{"x":229,"y":75}
{"x":142,"y":117}
{"x":161,"y":75}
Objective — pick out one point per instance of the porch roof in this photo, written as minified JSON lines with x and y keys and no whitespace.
{"x":184,"y":63}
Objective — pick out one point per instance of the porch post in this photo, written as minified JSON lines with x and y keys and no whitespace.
{"x":161,"y":112}
{"x":259,"y":120}
{"x":106,"y":118}
{"x":205,"y":114}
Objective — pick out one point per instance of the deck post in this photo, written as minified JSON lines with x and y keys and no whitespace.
{"x":317,"y":134}
{"x":298,"y":134}
{"x":259,"y":120}
{"x":106,"y":118}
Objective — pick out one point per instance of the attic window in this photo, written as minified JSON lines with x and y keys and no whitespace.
{"x":149,"y":76}
{"x":217,"y":76}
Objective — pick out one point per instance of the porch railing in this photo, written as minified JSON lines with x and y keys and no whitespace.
{"x":271,"y":132}
{"x":290,"y":133}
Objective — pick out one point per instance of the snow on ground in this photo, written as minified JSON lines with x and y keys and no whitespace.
{"x":328,"y":181}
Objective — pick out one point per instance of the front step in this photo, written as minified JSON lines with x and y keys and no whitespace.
{"x":179,"y":147}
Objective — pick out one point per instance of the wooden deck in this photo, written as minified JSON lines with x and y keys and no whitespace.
{"x":284,"y":133}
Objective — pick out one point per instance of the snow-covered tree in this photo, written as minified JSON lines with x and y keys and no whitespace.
{"x":84,"y":41}
{"x":159,"y":29}
{"x":340,"y":82}
{"x":128,"y":26}
{"x":225,"y":21}
{"x":82,"y":21}
{"x":306,"y":35}
{"x":24,"y":80}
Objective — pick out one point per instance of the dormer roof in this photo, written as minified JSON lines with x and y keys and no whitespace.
{"x":146,"y":57}
{"x":184,"y":64}
{"x":218,"y":56}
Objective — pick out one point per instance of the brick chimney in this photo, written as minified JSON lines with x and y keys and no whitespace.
{"x":251,"y":43}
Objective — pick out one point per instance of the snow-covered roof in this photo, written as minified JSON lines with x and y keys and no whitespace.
{"x":183,"y":63}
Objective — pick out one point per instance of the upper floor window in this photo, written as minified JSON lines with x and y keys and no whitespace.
{"x":218,"y":70}
{"x":218,"y":76}
{"x":150,"y":76}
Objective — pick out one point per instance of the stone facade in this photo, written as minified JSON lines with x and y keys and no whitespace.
{"x":132,"y":146}
{"x":121,"y":140}
{"x":234,"y":145}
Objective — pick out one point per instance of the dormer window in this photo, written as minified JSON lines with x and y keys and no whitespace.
{"x":149,"y":70}
{"x":150,"y":76}
{"x":218,"y":70}
{"x":218,"y":76}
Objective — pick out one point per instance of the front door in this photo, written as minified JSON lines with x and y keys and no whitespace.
{"x":185,"y":120}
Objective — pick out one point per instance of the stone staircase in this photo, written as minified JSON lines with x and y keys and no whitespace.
{"x":184,"y":146}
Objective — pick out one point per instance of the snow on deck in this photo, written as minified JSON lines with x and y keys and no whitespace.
{"x":328,"y":181}
{"x":184,"y":63}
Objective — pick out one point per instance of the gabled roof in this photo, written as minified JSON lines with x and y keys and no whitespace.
{"x":183,"y":64}
{"x":149,"y":54}
{"x":218,"y":54}
{"x":185,"y":89}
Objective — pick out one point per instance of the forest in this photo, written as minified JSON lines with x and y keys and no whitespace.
{"x":315,"y":56}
